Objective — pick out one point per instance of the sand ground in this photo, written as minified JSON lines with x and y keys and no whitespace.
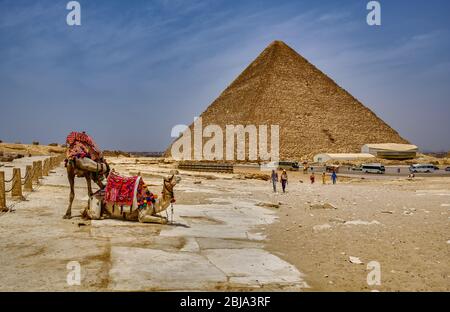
{"x":224,"y":240}
{"x":401,"y":224}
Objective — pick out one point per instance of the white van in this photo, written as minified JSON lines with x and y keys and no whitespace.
{"x":373,"y":168}
{"x":419,"y":168}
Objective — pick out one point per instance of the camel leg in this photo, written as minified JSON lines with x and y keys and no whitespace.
{"x":89,"y":184}
{"x":146,"y":217}
{"x":100,"y":184}
{"x":71,"y":177}
{"x":153,"y":219}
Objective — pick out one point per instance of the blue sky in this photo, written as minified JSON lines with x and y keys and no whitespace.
{"x":134,"y":69}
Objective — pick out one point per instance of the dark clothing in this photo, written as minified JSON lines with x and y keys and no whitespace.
{"x":283,"y":185}
{"x":334,"y":177}
{"x":284,"y":179}
{"x":274,"y":178}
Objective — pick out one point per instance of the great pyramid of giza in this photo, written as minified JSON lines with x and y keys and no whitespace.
{"x":315,"y":115}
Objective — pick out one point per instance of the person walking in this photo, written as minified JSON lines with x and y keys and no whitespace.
{"x":324,"y":178}
{"x":312,"y":177}
{"x":284,"y":180}
{"x":274,"y":178}
{"x":334,"y":177}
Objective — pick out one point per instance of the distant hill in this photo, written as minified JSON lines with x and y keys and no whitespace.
{"x":30,"y":149}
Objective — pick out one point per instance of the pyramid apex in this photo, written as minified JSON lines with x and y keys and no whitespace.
{"x":278,"y":43}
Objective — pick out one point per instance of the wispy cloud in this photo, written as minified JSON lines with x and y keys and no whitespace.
{"x":162,"y":62}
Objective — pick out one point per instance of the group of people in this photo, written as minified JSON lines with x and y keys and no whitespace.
{"x":284,"y":179}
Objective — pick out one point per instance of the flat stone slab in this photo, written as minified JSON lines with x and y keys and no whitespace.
{"x":218,"y":243}
{"x":232,"y":221}
{"x":255,"y":268}
{"x":140,"y":269}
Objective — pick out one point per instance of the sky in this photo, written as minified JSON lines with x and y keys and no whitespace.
{"x":135,"y":69}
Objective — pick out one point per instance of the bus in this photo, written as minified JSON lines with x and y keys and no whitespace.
{"x":373,"y":168}
{"x":422,"y":168}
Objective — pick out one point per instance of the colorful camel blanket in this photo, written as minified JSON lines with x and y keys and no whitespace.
{"x":81,"y":145}
{"x":129,"y":191}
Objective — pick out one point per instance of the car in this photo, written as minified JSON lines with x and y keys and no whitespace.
{"x":422,"y":168}
{"x":288,"y":165}
{"x":373,"y":168}
{"x":447,"y":169}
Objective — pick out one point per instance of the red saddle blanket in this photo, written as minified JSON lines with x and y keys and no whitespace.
{"x":122,"y":190}
{"x":80,"y":145}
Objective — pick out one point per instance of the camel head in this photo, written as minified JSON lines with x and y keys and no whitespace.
{"x":169,"y":183}
{"x":173,"y":178}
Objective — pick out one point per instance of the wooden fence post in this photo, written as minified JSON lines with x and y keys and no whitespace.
{"x":46,"y":167}
{"x":28,"y":185}
{"x":16,"y":190}
{"x":35,"y":172}
{"x":2,"y":192}
{"x":39,"y":169}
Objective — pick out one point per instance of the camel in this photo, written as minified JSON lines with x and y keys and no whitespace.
{"x":130,"y":213}
{"x":90,"y":170}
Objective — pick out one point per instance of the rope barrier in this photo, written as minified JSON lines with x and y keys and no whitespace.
{"x":25,"y":178}
{"x":10,"y":208}
{"x":26,"y":175}
{"x":38,"y":170}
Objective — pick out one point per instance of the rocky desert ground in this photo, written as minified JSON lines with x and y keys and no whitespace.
{"x":232,"y":233}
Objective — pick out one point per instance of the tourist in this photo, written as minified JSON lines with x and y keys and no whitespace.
{"x":284,"y":180}
{"x":312,"y":178}
{"x":274,"y":179}
{"x":324,"y":178}
{"x":305,"y":168}
{"x":334,"y":177}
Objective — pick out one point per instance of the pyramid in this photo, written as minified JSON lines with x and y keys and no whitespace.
{"x":314,"y":114}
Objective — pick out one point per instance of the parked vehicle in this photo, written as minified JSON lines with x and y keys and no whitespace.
{"x":422,"y":168}
{"x":332,"y":168}
{"x":447,"y":169}
{"x":356,"y":168}
{"x":373,"y":168}
{"x":288,"y":165}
